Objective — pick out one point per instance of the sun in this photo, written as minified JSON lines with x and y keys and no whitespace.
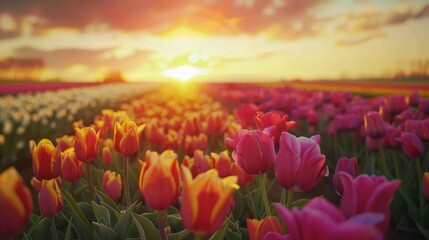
{"x":184,"y":73}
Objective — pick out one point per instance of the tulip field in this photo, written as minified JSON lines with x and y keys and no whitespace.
{"x":214,"y":161}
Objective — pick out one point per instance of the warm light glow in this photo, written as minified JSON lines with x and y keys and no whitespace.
{"x":184,"y":73}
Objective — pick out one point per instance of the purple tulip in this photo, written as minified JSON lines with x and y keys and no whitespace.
{"x":299,"y":164}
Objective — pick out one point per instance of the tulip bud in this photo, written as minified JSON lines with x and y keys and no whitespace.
{"x":112,"y":184}
{"x":348,"y":165}
{"x":374,"y":125}
{"x":16,"y":203}
{"x":425,"y":184}
{"x":159,"y":180}
{"x":259,"y":228}
{"x":126,"y":137}
{"x":395,"y":104}
{"x":45,"y":164}
{"x":413,"y":98}
{"x":299,"y":164}
{"x":411,"y":145}
{"x":107,"y":156}
{"x":86,"y":143}
{"x":254,"y":151}
{"x":424,"y":106}
{"x":71,"y":167}
{"x":51,"y":200}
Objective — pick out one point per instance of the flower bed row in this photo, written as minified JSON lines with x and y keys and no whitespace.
{"x":179,"y":164}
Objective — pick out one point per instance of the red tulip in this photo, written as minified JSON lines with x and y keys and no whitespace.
{"x":112,"y":184}
{"x":347,"y":165}
{"x":299,"y":164}
{"x":16,"y":203}
{"x":254,"y":151}
{"x":245,"y":114}
{"x":45,"y":163}
{"x":86,"y":143}
{"x":368,"y":194}
{"x":107,"y":156}
{"x":321,"y":220}
{"x":273,"y":124}
{"x":51,"y":200}
{"x":259,"y":228}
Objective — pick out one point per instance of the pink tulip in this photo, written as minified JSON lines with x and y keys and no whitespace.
{"x":245,"y":114}
{"x":371,"y":144}
{"x":253,"y":151}
{"x":411,"y":145}
{"x":413,"y":98}
{"x":395,"y":104}
{"x":299,"y":164}
{"x":390,"y":139}
{"x":319,"y":219}
{"x":347,"y":122}
{"x":424,"y":106}
{"x":273,"y":124}
{"x":374,"y":125}
{"x":368,"y":194}
{"x":347,"y":165}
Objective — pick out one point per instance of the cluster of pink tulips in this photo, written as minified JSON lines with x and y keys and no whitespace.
{"x":230,"y":161}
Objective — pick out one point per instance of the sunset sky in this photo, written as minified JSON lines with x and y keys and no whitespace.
{"x":217,"y":40}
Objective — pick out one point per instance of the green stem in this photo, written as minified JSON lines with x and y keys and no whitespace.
{"x":261,"y":183}
{"x":53,"y":228}
{"x":290,"y":194}
{"x":383,"y":160}
{"x":283,"y":197}
{"x":72,"y":188}
{"x":419,"y":184}
{"x":396,"y":166}
{"x":126,"y":183}
{"x":250,"y":201}
{"x":162,"y":223}
{"x":91,"y":188}
{"x":199,"y":236}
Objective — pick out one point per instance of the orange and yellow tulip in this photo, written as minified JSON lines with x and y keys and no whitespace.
{"x":16,"y":203}
{"x":51,"y":200}
{"x":71,"y":167}
{"x":259,"y":228}
{"x":112,"y":183}
{"x":206,"y":200}
{"x":86,"y":143}
{"x":45,"y":163}
{"x":160,"y":179}
{"x":127,"y":136}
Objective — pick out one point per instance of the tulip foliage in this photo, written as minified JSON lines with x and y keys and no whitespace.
{"x":224,"y":161}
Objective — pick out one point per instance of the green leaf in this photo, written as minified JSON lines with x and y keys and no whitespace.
{"x":300,"y":203}
{"x":101,"y":212}
{"x":68,"y":235}
{"x":80,"y":224}
{"x":423,"y":231}
{"x":122,"y":227}
{"x":146,"y":228}
{"x":232,"y":235}
{"x":175,"y":221}
{"x":104,"y":232}
{"x":219,"y":234}
{"x":40,"y":229}
{"x":114,"y":214}
{"x":26,"y":237}
{"x":107,"y":200}
{"x":179,"y":235}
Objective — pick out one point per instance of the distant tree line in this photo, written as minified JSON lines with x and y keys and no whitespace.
{"x":27,"y":69}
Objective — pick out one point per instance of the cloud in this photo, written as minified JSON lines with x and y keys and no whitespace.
{"x":352,"y":23}
{"x":359,"y":40}
{"x":224,"y":17}
{"x":91,"y":58}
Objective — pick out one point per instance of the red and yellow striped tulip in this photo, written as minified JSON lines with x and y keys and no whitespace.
{"x":86,"y":143}
{"x":45,"y":163}
{"x":51,"y":200}
{"x":127,"y":136}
